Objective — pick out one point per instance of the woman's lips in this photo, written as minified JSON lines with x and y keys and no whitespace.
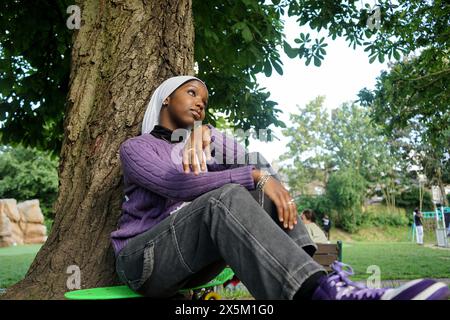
{"x":195,"y":114}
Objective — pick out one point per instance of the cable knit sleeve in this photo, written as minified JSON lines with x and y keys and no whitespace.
{"x":142,"y":165}
{"x":227,"y":152}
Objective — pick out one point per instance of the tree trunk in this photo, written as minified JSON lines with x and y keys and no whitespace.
{"x":420,"y":196}
{"x":441,"y":187}
{"x":122,"y":52}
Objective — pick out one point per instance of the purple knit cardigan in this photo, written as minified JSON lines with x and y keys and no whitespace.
{"x":155,"y":183}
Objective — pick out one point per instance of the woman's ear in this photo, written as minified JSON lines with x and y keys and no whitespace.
{"x":166,"y":102}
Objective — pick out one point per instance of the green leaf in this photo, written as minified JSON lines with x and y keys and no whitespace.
{"x":277,"y":67}
{"x":308,"y":61}
{"x":246,"y":33}
{"x":267,"y":68}
{"x":317,"y":62}
{"x":290,"y":52}
{"x":301,"y":51}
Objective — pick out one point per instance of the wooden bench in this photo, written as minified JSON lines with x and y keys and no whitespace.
{"x":326,"y":254}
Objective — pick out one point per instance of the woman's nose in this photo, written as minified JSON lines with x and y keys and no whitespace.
{"x":200,"y":104}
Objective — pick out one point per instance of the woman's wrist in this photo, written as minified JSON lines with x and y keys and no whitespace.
{"x":264,"y":177}
{"x":256,"y":174}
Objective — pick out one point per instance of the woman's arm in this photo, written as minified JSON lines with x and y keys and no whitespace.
{"x":142,"y":165}
{"x":229,"y":153}
{"x":226,"y":151}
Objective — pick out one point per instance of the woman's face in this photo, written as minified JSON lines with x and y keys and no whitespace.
{"x":304,"y":219}
{"x":188,"y":103}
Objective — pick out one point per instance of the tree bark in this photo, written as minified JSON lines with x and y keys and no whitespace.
{"x":122,"y":52}
{"x":441,"y":187}
{"x":420,"y":196}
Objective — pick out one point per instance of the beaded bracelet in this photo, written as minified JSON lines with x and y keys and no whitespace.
{"x":260,"y":186}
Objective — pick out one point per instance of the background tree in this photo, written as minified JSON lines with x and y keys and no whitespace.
{"x":322,"y":143}
{"x":234,"y":41}
{"x":307,"y":154}
{"x":409,"y":199}
{"x":423,"y":154}
{"x":346,"y":189}
{"x":415,"y":90}
{"x":412,"y":102}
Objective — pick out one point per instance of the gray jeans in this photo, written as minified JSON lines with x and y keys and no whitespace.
{"x":224,"y":226}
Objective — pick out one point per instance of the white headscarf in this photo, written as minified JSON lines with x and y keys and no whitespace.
{"x":151,"y":116}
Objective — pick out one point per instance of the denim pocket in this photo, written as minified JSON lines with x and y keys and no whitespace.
{"x":136,"y":267}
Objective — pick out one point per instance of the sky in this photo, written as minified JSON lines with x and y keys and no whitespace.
{"x":342,"y":74}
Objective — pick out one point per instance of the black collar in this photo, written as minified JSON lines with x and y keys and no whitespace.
{"x":163,"y":133}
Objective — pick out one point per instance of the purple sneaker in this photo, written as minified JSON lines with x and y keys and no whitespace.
{"x":337,"y":286}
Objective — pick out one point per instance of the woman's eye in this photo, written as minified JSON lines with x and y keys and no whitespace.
{"x":192,"y":91}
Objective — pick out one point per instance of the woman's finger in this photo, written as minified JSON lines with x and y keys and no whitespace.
{"x":279,"y":207}
{"x":287,"y":211}
{"x":199,"y":153}
{"x":207,"y":149}
{"x":194,"y":163}
{"x":290,"y":210}
{"x":206,"y":144}
{"x":293,"y":214}
{"x":284,"y":210}
{"x":186,"y":162}
{"x":197,"y":158}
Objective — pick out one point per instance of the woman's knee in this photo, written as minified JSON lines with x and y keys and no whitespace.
{"x":230,"y":190}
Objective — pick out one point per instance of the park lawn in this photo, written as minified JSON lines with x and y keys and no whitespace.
{"x":15,"y":261}
{"x":397,"y":260}
{"x":381,"y":234}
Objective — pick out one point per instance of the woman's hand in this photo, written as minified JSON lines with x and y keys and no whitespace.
{"x":199,"y":141}
{"x":286,"y":207}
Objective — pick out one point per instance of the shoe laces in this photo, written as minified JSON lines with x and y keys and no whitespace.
{"x":345,"y":288}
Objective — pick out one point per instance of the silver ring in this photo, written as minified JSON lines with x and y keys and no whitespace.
{"x":292,"y":201}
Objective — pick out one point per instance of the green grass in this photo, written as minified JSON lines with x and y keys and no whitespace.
{"x":381,"y":234}
{"x":14,"y":263}
{"x":239,"y":294}
{"x":397,"y":260}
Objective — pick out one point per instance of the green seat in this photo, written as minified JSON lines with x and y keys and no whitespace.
{"x":124,"y":292}
{"x":104,"y":293}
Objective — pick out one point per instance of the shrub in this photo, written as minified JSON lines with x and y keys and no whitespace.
{"x":26,"y":174}
{"x":379,"y":215}
{"x":345,"y":190}
{"x":350,"y":220}
{"x":321,"y":205}
{"x":409,"y":199}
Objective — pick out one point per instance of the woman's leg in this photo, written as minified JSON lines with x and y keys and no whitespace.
{"x":299,"y":234}
{"x":223,"y":225}
{"x":419,"y":234}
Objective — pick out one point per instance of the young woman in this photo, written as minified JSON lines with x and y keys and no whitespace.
{"x":192,"y":207}
{"x":309,"y":219}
